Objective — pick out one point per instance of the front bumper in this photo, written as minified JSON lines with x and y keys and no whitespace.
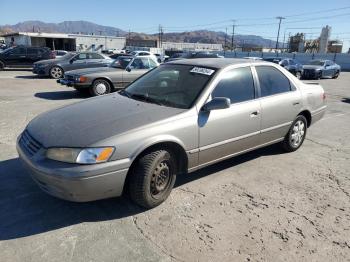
{"x":73,"y":182}
{"x":40,"y":71}
{"x":311,"y":74}
{"x":66,"y":82}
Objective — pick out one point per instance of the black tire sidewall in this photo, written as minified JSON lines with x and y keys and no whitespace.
{"x":286,"y":142}
{"x":94,"y":84}
{"x":2,"y":66}
{"x":142,"y":175}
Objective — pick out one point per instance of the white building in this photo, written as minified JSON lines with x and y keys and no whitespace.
{"x":69,"y":42}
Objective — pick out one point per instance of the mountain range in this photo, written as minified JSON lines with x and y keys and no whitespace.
{"x":85,"y":27}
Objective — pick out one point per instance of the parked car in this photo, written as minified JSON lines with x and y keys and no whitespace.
{"x":318,"y":68}
{"x":115,"y":56}
{"x":291,"y":65}
{"x":55,"y":68}
{"x":162,"y":58}
{"x":253,"y":57}
{"x":143,"y":53}
{"x":166,"y":123}
{"x":24,"y":56}
{"x":101,"y":81}
{"x":60,"y":53}
{"x":192,"y":55}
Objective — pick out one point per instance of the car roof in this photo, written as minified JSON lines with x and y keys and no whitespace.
{"x":213,"y":62}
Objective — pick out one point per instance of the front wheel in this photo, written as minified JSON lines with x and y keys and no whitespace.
{"x":152,"y":178}
{"x":100,"y":87}
{"x":296,"y":134}
{"x":56,"y":72}
{"x":336,"y":75}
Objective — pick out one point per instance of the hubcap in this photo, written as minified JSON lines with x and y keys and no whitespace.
{"x":297,"y":134}
{"x":101,"y":88}
{"x":160,"y":178}
{"x":56,"y":72}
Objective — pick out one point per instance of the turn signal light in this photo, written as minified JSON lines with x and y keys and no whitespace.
{"x":82,"y":79}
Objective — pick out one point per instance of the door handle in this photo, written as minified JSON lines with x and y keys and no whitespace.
{"x":296,"y":103}
{"x":254,"y":114}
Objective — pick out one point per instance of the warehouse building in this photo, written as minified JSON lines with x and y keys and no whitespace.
{"x":68,"y":42}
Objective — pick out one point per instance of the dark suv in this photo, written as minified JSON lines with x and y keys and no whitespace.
{"x":24,"y":56}
{"x":291,"y":65}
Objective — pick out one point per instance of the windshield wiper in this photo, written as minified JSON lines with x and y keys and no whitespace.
{"x":124,"y":93}
{"x":145,"y":98}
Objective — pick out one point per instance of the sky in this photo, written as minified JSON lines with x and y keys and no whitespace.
{"x":250,"y":17}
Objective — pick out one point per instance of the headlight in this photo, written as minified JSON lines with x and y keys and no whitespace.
{"x":79,"y":155}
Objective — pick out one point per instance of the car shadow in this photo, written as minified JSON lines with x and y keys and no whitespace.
{"x":17,"y":69}
{"x":26,"y":210}
{"x":346,"y":100}
{"x":61,"y":95}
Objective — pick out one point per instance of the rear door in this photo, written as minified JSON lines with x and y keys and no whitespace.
{"x":34,"y":54}
{"x":228,"y":131}
{"x":280,"y":103}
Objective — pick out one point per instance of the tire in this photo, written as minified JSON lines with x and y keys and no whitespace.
{"x":100,"y":87}
{"x":152,"y":178}
{"x":298,"y":75}
{"x":336,"y":75}
{"x":56,"y":72}
{"x":319,"y":76}
{"x":296,"y":134}
{"x":2,"y":66}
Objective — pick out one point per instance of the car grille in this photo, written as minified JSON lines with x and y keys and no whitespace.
{"x":29,"y":144}
{"x":69,"y":77}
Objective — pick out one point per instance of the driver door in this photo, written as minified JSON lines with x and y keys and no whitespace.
{"x":228,"y":131}
{"x":77,"y":62}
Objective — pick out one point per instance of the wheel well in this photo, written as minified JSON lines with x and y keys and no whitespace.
{"x":106,"y":79}
{"x":307,"y":115}
{"x":177,"y":151}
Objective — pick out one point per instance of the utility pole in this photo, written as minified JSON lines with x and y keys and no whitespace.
{"x":225,"y":45}
{"x":279,"y":27}
{"x":233,"y":33}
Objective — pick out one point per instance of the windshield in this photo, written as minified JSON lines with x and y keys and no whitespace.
{"x":121,"y":62}
{"x":316,"y":62}
{"x":170,"y":85}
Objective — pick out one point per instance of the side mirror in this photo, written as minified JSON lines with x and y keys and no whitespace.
{"x":128,"y":69}
{"x":71,"y":61}
{"x":217,"y":103}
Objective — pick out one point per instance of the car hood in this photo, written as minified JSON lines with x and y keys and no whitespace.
{"x":312,"y":67}
{"x":88,"y":122}
{"x":86,"y":71}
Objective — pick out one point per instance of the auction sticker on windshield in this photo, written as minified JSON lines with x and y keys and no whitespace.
{"x":202,"y":70}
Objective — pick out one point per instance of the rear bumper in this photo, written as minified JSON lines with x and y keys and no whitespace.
{"x":318,"y":114}
{"x":78,"y":183}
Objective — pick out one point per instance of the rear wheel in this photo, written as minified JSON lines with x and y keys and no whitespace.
{"x":100,"y":87}
{"x":152,"y":178}
{"x":56,"y":72}
{"x":296,"y":134}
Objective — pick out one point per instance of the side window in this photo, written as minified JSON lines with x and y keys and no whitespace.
{"x":292,"y":62}
{"x":18,"y":51}
{"x":95,"y":56}
{"x":81,"y":56}
{"x":237,"y":85}
{"x":32,"y":51}
{"x":272,"y":81}
{"x":152,"y":63}
{"x":140,"y":63}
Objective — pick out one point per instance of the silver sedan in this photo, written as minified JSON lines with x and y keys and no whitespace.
{"x":175,"y":119}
